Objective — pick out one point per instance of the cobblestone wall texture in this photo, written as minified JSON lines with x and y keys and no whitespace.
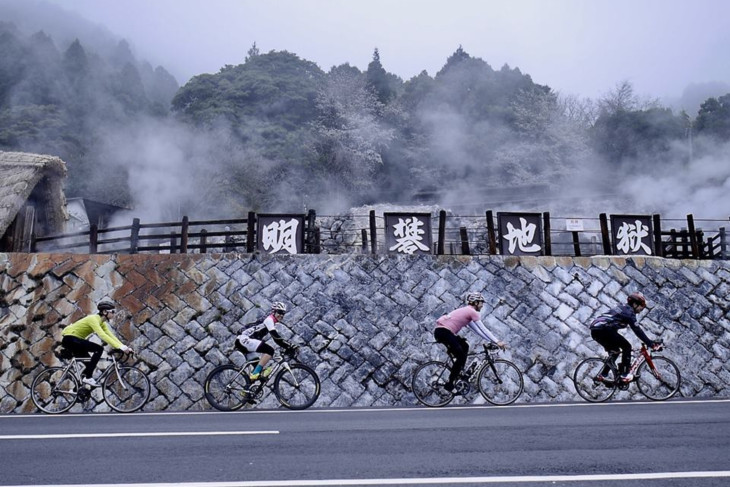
{"x":364,"y":322}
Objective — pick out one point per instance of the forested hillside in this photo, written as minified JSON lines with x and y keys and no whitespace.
{"x":64,"y":101}
{"x":279,"y":133}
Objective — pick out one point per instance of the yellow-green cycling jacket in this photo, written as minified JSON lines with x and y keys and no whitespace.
{"x":93,"y":324}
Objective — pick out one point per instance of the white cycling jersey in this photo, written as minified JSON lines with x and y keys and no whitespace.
{"x":251,"y":338}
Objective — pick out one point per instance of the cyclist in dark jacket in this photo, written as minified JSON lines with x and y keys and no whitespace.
{"x":604,"y":330}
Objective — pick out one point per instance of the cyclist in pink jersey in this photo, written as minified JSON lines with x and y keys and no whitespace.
{"x":449,"y":325}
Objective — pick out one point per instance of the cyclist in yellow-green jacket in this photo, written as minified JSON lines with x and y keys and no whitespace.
{"x":75,"y":338}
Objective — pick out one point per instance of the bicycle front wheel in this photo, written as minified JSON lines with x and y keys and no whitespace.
{"x":660,"y":381}
{"x":226,"y":388}
{"x":500,"y":382}
{"x":54,"y":390}
{"x":126,"y":389}
{"x":297,"y":387}
{"x":428,"y":384}
{"x":593,"y":383}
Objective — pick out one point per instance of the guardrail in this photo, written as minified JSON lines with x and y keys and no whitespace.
{"x":452,"y":235}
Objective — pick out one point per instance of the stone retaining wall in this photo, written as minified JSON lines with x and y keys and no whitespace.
{"x":364,"y":321}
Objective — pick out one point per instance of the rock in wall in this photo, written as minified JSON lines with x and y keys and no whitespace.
{"x":364,"y":322}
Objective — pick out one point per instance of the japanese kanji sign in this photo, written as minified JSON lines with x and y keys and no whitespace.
{"x":520,"y":233}
{"x":408,"y":233}
{"x":280,"y":234}
{"x":631,"y":234}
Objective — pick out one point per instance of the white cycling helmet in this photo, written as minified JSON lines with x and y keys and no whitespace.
{"x":278,"y":306}
{"x":474,"y":298}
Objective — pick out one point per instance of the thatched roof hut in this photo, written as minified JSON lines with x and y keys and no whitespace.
{"x":32,"y":201}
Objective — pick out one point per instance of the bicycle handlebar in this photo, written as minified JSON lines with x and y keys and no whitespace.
{"x":121,"y":354}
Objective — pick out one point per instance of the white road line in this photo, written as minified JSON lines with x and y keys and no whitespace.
{"x":371,"y":410}
{"x":123,"y":435}
{"x":425,"y":481}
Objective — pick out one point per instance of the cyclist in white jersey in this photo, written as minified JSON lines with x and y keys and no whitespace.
{"x":251,"y":339}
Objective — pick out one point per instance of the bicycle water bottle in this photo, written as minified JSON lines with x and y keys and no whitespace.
{"x":267,"y":371}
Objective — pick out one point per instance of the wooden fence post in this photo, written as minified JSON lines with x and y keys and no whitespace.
{"x":309,"y":247}
{"x":364,"y":243}
{"x":93,"y":238}
{"x":250,"y":232}
{"x":548,"y":238}
{"x":693,"y":236}
{"x":373,"y":234}
{"x":203,"y":241}
{"x":134,"y":236}
{"x":317,"y":241}
{"x":184,"y":235}
{"x":658,"y":247}
{"x":672,"y":251}
{"x":442,"y":233}
{"x":464,"y":241}
{"x":723,"y":244}
{"x":605,"y":236}
{"x":491,"y":233}
{"x":701,"y":244}
{"x":173,"y":242}
{"x":576,"y":243}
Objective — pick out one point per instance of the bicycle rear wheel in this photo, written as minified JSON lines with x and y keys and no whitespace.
{"x":588,"y":382}
{"x":226,"y":388}
{"x":297,"y":388}
{"x":428,"y":384}
{"x":126,"y":390}
{"x":501,"y":382}
{"x":54,"y":390}
{"x":660,"y":382}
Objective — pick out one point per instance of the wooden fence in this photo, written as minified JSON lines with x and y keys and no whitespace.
{"x":468,"y":236}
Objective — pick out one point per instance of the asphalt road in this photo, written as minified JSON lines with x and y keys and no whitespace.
{"x":675,"y":443}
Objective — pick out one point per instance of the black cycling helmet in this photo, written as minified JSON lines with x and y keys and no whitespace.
{"x":105,"y":306}
{"x":636,"y":298}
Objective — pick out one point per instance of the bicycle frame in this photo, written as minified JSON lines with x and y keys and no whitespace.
{"x":499,"y":381}
{"x":471,"y":371}
{"x":279,"y":363}
{"x":74,"y":362}
{"x":644,"y":355}
{"x":657,"y":377}
{"x":476,"y":364}
{"x":228,"y":387}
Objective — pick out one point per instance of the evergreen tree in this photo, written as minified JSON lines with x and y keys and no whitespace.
{"x":713,"y":119}
{"x":379,"y":81}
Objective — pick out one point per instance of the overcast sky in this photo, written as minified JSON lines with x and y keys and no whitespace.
{"x":582,"y":47}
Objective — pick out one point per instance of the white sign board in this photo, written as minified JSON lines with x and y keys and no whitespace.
{"x":574,"y":224}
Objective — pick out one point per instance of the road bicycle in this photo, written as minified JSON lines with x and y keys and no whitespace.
{"x":125,"y":388}
{"x":597,"y":379}
{"x":296,"y":386}
{"x":498,"y":380}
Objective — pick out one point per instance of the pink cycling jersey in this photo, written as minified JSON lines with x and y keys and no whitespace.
{"x":458,"y":319}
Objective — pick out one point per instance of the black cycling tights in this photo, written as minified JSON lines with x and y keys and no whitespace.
{"x":457,"y":346}
{"x":262,"y":348}
{"x":81,"y":348}
{"x":611,"y":341}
